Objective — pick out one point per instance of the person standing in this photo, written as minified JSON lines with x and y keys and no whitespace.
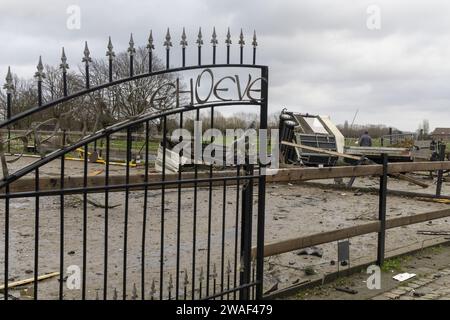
{"x":365,"y":140}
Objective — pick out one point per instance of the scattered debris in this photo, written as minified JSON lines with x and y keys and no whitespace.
{"x":101,"y":205}
{"x":76,"y":201}
{"x":95,"y":173}
{"x":433,"y":233}
{"x":347,"y":290}
{"x":437,"y":200}
{"x":311,"y":251}
{"x":310,"y":271}
{"x":272,"y":289}
{"x":403,"y":276}
{"x":26,"y":294}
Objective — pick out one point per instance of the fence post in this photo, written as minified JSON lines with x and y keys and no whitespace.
{"x":440,"y":172}
{"x":261,"y":190}
{"x":382,"y":211}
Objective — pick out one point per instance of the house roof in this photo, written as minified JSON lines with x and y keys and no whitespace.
{"x":441,"y":131}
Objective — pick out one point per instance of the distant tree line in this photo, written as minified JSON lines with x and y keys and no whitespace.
{"x":356,"y":130}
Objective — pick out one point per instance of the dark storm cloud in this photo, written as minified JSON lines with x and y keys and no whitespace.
{"x":322,"y":57}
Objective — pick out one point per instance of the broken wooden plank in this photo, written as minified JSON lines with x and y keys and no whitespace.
{"x":437,"y":200}
{"x":320,"y":150}
{"x":433,"y":233}
{"x":30,"y":280}
{"x":409,"y":179}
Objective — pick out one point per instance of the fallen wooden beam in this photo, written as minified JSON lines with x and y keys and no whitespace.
{"x":26,"y":184}
{"x":409,"y":179}
{"x":343,"y":155}
{"x":398,"y":193}
{"x":320,"y":150}
{"x":30,"y":280}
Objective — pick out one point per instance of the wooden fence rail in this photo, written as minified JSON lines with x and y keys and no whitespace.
{"x":26,"y":184}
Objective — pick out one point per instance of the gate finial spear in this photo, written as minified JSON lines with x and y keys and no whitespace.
{"x":64,"y":66}
{"x":168,"y":43}
{"x":110,"y":53}
{"x":214,"y":38}
{"x":86,"y":59}
{"x":131,"y":48}
{"x":40,"y":70}
{"x":183,"y":41}
{"x":241,"y":39}
{"x":8,"y":86}
{"x":199,"y":38}
{"x":228,"y":39}
{"x":150,"y":45}
{"x":254,"y":42}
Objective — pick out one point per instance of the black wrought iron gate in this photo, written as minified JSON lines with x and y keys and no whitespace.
{"x":100,"y":228}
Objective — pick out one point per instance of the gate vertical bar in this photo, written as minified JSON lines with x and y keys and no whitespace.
{"x":144,"y":217}
{"x":85,"y":169}
{"x":194,"y":219}
{"x":61,"y":227}
{"x":382,"y":211}
{"x":261,"y":189}
{"x":177,"y":276}
{"x":127,"y":200}
{"x":208,"y":252}
{"x":36,"y":236}
{"x":163,"y":203}
{"x":105,"y":267}
{"x":246,"y":233}
{"x":6,"y":276}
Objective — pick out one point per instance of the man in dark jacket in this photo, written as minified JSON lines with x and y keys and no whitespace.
{"x":365,"y":140}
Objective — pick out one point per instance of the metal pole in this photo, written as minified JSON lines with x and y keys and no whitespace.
{"x":261,"y":193}
{"x":382,"y":211}
{"x":246,"y":234}
{"x":440,"y":172}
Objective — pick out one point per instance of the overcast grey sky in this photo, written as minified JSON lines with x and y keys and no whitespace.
{"x":323,"y":58}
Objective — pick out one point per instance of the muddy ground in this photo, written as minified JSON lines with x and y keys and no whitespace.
{"x":292,"y":210}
